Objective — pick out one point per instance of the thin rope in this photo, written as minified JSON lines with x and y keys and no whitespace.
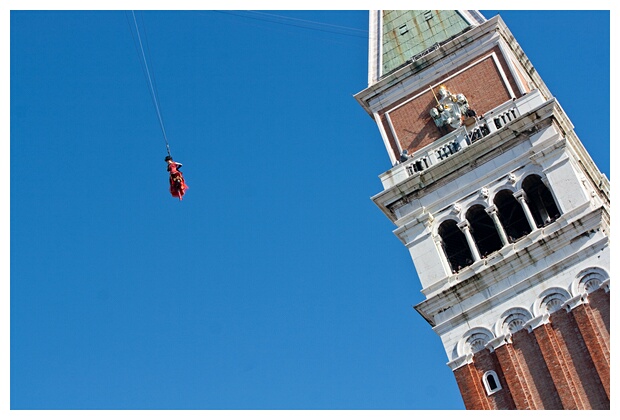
{"x":153,"y":95}
{"x":147,"y":51}
{"x":133,"y":38}
{"x":300,"y":23}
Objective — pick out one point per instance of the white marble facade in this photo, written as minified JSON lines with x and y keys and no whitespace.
{"x":523,"y":280}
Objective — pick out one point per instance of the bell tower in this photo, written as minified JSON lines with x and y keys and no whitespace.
{"x":504,"y":213}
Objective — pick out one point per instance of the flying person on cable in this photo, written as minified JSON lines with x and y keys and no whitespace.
{"x":177,"y":182}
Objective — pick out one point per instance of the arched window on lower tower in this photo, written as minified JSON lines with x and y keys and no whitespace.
{"x":540,"y":201}
{"x":483,"y":230}
{"x":491,"y":382}
{"x":455,"y":246}
{"x":511,"y":215}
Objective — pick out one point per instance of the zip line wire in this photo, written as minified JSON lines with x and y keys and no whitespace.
{"x":151,"y":85}
{"x":302,"y":23}
{"x":268,"y":17}
{"x":299,"y":23}
{"x":364,"y":32}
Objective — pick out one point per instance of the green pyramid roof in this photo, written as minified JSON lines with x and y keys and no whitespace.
{"x":410,"y":32}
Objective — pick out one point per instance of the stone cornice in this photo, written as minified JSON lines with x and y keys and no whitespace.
{"x":578,"y":229}
{"x":461,"y":361}
{"x":498,"y":342}
{"x":571,"y":304}
{"x":534,"y":323}
{"x":466,"y":160}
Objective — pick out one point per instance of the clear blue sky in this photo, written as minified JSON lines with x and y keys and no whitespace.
{"x":276,"y":283}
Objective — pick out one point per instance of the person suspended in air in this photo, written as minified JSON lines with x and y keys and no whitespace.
{"x":177,"y":182}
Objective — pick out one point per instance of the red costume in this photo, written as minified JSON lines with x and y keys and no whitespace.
{"x":177,"y":182}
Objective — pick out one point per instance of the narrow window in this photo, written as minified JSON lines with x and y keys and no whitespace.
{"x":511,"y":215}
{"x":455,"y":246}
{"x":483,"y":230}
{"x":491,"y":382}
{"x":540,"y":201}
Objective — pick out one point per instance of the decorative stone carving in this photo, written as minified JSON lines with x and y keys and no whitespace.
{"x":553,"y":301}
{"x":478,"y":341}
{"x":590,"y":279}
{"x":590,"y":284}
{"x":512,"y":178}
{"x":456,"y":209}
{"x":474,"y":340}
{"x":514,"y":320}
{"x":484,"y":192}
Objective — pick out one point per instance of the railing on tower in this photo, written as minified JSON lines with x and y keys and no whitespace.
{"x":461,"y":138}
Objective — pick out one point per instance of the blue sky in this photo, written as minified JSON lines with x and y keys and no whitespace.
{"x":276,"y":283}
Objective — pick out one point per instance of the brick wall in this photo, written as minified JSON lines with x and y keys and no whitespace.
{"x":563,"y":364}
{"x":535,"y":372}
{"x":594,"y":339}
{"x":515,"y":377}
{"x":482,"y":84}
{"x":599,"y":302}
{"x":586,"y":381}
{"x":469,"y":379}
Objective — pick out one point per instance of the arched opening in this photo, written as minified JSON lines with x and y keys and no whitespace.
{"x":511,"y":215}
{"x":455,"y":246}
{"x":491,"y":382}
{"x":483,"y":230}
{"x":540,"y":201}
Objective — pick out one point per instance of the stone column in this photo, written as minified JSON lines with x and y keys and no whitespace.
{"x":464,"y":226}
{"x":520,"y":196}
{"x":443,"y":257}
{"x":492,"y":211}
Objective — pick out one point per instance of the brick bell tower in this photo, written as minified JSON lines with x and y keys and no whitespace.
{"x":504,"y":213}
